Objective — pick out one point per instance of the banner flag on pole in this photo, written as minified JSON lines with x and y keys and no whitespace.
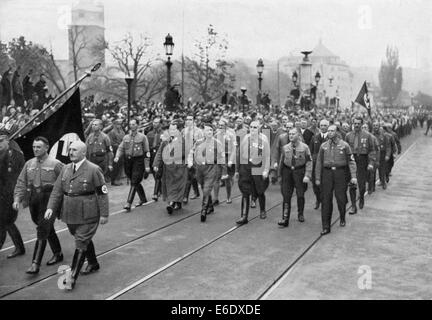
{"x":363,"y":98}
{"x":61,"y":127}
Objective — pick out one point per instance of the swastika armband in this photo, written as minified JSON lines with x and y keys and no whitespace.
{"x":102,"y":190}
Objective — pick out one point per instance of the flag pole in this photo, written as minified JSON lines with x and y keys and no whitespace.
{"x":87,"y":74}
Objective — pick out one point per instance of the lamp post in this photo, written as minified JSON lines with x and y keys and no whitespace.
{"x":330,"y":91}
{"x":260,"y":69}
{"x":305,"y":78}
{"x":295,"y":92}
{"x":169,"y":46}
{"x":129,"y":78}
{"x":317,"y":80}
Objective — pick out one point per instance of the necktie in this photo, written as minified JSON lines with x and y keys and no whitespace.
{"x":74,"y":168}
{"x":293,"y":161}
{"x":356,"y":143}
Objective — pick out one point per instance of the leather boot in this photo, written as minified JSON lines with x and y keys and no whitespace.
{"x":195,"y":189}
{"x":210,"y":205}
{"x":156,"y":190}
{"x":141,"y":194}
{"x":253,"y":202}
{"x":361,"y":201}
{"x":342,"y":218}
{"x":186,"y":193}
{"x":228,"y":190}
{"x":300,"y":207}
{"x":204,"y":207}
{"x":317,"y":203}
{"x":352,"y":192}
{"x":286,"y":210}
{"x":261,"y":200}
{"x":17,"y":241}
{"x":170,"y":207}
{"x":244,"y":210}
{"x":76,"y":268}
{"x":92,"y":263}
{"x":55,"y":246}
{"x":130,"y":198}
{"x":2,"y":237}
{"x":38,"y":252}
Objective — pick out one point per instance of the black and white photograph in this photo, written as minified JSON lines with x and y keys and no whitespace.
{"x":217,"y":155}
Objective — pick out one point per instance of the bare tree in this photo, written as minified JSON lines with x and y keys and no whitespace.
{"x":34,"y":56}
{"x":133,"y":58}
{"x":209,"y":74}
{"x":78,"y":44}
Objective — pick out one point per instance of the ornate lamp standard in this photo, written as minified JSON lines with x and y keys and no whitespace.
{"x":260,"y":69}
{"x":169,"y":46}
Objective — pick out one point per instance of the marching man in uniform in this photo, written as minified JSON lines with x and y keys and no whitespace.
{"x":227,"y":137}
{"x":296,"y":169}
{"x":253,"y":169}
{"x":335,"y":167}
{"x":82,"y":194}
{"x":35,"y":183}
{"x":99,"y":150}
{"x":363,"y":148}
{"x":209,"y":156}
{"x":136,"y":150}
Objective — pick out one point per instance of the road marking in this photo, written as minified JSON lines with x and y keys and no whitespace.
{"x":177,"y":260}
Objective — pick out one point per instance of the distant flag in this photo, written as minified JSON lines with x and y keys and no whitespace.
{"x":61,"y":127}
{"x":363,"y":98}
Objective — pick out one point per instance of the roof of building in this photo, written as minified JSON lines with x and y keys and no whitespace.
{"x":321,"y":50}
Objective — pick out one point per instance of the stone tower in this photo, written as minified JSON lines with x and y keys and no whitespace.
{"x":86,"y":36}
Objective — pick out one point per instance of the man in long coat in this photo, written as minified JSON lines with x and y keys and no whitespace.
{"x":172,"y":156}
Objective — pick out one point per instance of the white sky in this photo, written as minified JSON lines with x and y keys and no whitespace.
{"x":357,"y":30}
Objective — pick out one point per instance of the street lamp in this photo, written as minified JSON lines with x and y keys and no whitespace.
{"x":306,"y":78}
{"x":317,"y":80}
{"x":129,"y":78}
{"x":169,"y":46}
{"x":260,"y":69}
{"x":294,"y":78}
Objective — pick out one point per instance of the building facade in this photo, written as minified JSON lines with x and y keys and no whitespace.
{"x":336,"y":82}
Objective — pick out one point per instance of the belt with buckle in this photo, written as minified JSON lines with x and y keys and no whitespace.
{"x":89,"y":193}
{"x":42,"y":189}
{"x":297,"y":168}
{"x":335,"y":167}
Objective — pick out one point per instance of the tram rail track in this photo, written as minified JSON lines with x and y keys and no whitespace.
{"x":263,"y":295}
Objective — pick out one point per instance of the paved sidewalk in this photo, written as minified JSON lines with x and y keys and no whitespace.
{"x":384,"y":252}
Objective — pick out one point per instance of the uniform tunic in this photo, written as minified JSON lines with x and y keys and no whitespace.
{"x":99,"y":150}
{"x":229,"y":144}
{"x":314,"y":147}
{"x":334,"y":168}
{"x":254,"y":159}
{"x":116,"y":137}
{"x":11,"y":163}
{"x":136,"y":153}
{"x":209,"y":158}
{"x":83,"y":199}
{"x":362,"y":147}
{"x":35,"y":183}
{"x":294,"y":165}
